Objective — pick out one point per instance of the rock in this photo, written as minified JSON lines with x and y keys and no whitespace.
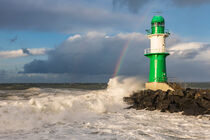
{"x":175,"y":85}
{"x":178,"y":92}
{"x":206,"y":95}
{"x":128,"y":100}
{"x":173,"y":107}
{"x":188,"y":101}
{"x":204,"y":103}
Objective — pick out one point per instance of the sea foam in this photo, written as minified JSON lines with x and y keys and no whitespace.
{"x":46,"y":113}
{"x":48,"y":106}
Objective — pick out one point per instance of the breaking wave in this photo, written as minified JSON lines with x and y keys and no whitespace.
{"x":35,"y":107}
{"x":46,"y":113}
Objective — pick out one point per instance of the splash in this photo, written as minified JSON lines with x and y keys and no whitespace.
{"x":91,"y":114}
{"x":33,"y":108}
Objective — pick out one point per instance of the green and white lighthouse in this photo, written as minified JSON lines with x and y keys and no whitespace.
{"x":157,"y":54}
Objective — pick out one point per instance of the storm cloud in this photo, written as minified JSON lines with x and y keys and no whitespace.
{"x":190,"y":2}
{"x":133,"y":5}
{"x":67,"y":16}
{"x":95,"y":54}
{"x":71,"y":16}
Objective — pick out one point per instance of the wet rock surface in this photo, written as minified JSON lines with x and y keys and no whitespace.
{"x":188,"y":101}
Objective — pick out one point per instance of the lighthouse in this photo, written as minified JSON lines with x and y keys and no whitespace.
{"x":157,"y":54}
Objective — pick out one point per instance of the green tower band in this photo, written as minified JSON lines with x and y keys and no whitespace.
{"x":157,"y":54}
{"x":157,"y":67}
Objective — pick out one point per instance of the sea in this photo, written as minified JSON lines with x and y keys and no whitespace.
{"x":93,"y":111}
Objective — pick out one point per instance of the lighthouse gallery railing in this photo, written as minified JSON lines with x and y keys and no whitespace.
{"x":149,"y":50}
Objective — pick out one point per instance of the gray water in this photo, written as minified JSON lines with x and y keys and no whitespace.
{"x":94,"y":112}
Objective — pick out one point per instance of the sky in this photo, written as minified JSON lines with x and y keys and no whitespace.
{"x":51,"y":41}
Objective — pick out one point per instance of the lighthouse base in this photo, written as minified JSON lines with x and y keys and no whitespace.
{"x":158,"y":86}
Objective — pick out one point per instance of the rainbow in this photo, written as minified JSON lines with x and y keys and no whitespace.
{"x":127,"y":44}
{"x":121,"y":58}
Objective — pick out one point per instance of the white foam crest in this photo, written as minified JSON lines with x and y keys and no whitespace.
{"x":65,"y":106}
{"x":33,"y":89}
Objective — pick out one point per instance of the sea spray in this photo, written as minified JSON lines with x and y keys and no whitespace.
{"x":47,"y":113}
{"x":50,"y":106}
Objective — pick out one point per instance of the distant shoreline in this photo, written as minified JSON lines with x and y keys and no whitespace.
{"x":24,"y":86}
{"x":90,"y":86}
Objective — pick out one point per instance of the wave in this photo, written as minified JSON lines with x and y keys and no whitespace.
{"x":37,"y":107}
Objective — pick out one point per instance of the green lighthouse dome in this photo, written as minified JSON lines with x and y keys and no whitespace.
{"x":157,"y":25}
{"x":157,"y":18}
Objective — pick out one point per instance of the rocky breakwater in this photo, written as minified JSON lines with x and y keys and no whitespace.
{"x":188,"y":101}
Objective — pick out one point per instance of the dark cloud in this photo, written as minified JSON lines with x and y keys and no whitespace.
{"x":95,"y":54}
{"x":190,"y":2}
{"x":26,"y":51}
{"x":63,"y":16}
{"x":187,"y":70}
{"x":133,"y":5}
{"x":71,"y":16}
